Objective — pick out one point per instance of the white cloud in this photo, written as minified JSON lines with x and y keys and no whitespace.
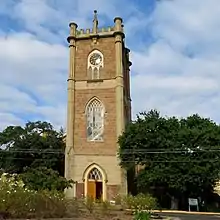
{"x":188,"y":23}
{"x":36,"y":67}
{"x":9,"y":119}
{"x":177,"y":73}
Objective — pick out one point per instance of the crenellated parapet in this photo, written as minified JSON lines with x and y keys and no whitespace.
{"x":98,"y":32}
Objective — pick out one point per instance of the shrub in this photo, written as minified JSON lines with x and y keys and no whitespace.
{"x":141,"y":215}
{"x":73,"y":208}
{"x":89,"y":204}
{"x":118,"y":199}
{"x":18,"y":201}
{"x":140,"y":202}
{"x":141,"y":205}
{"x":105,"y":207}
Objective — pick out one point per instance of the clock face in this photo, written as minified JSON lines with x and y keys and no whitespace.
{"x":95,"y":59}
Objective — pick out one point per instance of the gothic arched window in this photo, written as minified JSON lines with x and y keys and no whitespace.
{"x":95,"y":63}
{"x":95,"y":174}
{"x":95,"y":120}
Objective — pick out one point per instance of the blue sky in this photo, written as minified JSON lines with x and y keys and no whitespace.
{"x":175,"y":50}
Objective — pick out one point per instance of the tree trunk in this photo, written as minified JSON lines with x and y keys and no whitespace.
{"x":174,"y":203}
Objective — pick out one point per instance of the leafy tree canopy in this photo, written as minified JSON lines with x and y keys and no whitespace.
{"x":180,"y":155}
{"x":42,"y":178}
{"x":36,"y":144}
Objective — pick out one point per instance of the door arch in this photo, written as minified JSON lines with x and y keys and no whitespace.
{"x":95,"y":182}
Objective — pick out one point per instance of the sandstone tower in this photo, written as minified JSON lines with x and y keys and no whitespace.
{"x":99,"y":106}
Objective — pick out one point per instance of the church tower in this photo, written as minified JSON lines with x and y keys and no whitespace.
{"x":99,"y":106}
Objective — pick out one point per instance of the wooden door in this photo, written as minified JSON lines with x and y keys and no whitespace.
{"x":91,"y":189}
{"x":99,"y":190}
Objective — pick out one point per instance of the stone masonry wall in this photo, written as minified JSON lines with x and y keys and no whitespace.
{"x":83,"y":49}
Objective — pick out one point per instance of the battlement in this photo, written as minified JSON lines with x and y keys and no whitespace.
{"x":100,"y":31}
{"x":95,"y":31}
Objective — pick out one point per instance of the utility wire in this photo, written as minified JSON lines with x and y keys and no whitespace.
{"x":132,"y":161}
{"x":37,"y":151}
{"x":168,"y":152}
{"x":34,"y":159}
{"x":172,"y":161}
{"x":129,"y":151}
{"x":165,"y":151}
{"x":182,"y":148}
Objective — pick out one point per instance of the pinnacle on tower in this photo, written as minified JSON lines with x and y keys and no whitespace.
{"x":95,"y":22}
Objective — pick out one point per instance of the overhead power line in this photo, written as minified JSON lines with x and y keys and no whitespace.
{"x":171,"y":161}
{"x":124,"y":152}
{"x":129,"y":161}
{"x":132,"y":161}
{"x":165,"y":151}
{"x":30,"y":159}
{"x":32,"y":151}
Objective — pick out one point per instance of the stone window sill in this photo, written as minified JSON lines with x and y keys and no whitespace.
{"x":94,"y":80}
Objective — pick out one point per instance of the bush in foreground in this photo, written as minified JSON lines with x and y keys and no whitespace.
{"x":140,"y":202}
{"x":18,"y":201}
{"x":141,"y":205}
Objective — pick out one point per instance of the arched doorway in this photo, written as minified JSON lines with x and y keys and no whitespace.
{"x":95,"y":180}
{"x":95,"y":184}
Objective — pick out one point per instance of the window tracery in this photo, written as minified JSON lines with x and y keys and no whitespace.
{"x":95,"y":120}
{"x":95,"y":174}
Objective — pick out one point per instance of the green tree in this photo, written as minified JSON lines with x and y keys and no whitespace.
{"x":36,"y":144}
{"x":43,"y":178}
{"x":179,"y":155}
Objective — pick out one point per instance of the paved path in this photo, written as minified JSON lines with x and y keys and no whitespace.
{"x":182,"y":216}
